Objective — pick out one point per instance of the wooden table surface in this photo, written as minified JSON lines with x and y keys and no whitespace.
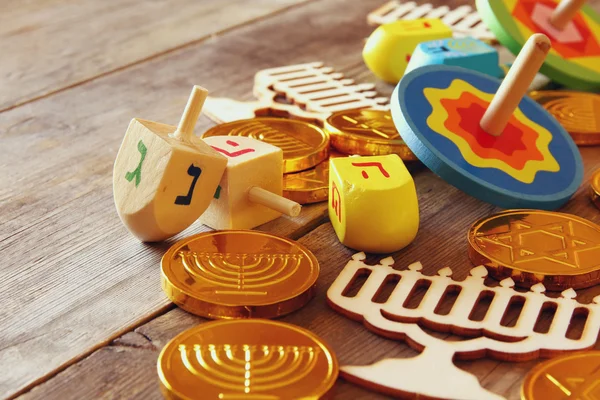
{"x":82,"y":314}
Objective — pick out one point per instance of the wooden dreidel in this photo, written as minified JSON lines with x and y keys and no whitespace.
{"x":250,"y":192}
{"x":373,"y":204}
{"x":464,"y":52}
{"x":572,"y":27}
{"x":389,"y":48}
{"x":164,"y":177}
{"x":485,"y":137}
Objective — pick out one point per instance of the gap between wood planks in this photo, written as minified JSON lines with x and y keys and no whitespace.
{"x":112,"y":341}
{"x":155,"y":56}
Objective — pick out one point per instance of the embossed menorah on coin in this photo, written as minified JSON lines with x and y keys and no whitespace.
{"x":489,"y":335}
{"x":247,"y":274}
{"x":244,"y":371}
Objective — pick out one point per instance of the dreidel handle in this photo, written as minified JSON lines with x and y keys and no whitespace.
{"x":516,"y":84}
{"x":565,"y":12}
{"x":185,"y":129}
{"x":275,"y":202}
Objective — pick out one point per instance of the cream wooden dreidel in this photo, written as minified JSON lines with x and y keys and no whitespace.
{"x":389,"y":48}
{"x":516,"y":84}
{"x":373,"y":203}
{"x":250,"y":192}
{"x":164,"y":177}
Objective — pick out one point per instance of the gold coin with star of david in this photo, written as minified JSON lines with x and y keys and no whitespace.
{"x":531,"y":246}
{"x":253,"y":359}
{"x":239,"y":274}
{"x":572,"y":376}
{"x":366,"y":133}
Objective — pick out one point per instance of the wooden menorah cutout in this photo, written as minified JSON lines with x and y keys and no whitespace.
{"x":310,"y":92}
{"x":464,"y":20}
{"x":164,"y":177}
{"x":491,"y":336}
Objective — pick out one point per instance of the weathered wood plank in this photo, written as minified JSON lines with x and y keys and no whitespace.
{"x":50,"y":45}
{"x":73,"y":277}
{"x":440,"y":242}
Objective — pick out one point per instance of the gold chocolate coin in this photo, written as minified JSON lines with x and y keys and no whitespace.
{"x":573,"y":376}
{"x":239,"y":274}
{"x":559,"y":250}
{"x":310,"y":186}
{"x":595,"y":188}
{"x":304,"y":145}
{"x":246,"y":359}
{"x":577,"y":112}
{"x":366,"y":133}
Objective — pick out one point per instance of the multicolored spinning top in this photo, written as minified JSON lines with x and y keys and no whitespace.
{"x":485,"y":136}
{"x":573,"y":29}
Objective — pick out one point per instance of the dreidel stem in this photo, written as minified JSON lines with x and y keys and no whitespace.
{"x":185,"y":129}
{"x":565,"y":12}
{"x":516,"y":84}
{"x":274,"y":202}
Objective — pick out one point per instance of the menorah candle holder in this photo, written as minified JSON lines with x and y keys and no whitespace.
{"x":310,"y":92}
{"x":463,"y":20}
{"x":490,"y":336}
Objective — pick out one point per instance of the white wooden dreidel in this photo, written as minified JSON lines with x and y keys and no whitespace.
{"x":516,"y":84}
{"x":164,"y":177}
{"x":565,"y":12}
{"x":485,"y":136}
{"x":250,"y":192}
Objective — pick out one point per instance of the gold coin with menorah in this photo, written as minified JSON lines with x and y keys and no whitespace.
{"x":573,"y":376}
{"x":577,"y":112}
{"x":559,"y":250}
{"x":239,"y":274}
{"x":494,"y":321}
{"x":366,"y":133}
{"x":253,"y":359}
{"x":304,"y":145}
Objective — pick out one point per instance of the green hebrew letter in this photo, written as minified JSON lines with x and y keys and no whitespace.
{"x":137,"y":173}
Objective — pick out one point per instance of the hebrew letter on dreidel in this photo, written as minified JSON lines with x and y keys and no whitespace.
{"x":137,"y":173}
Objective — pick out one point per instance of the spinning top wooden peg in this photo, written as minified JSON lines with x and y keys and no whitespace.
{"x":565,"y":12}
{"x":164,"y":177}
{"x":516,"y":84}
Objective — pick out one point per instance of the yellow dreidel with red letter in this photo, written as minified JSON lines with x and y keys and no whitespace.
{"x":389,"y":48}
{"x":250,"y":192}
{"x":373,"y":204}
{"x":164,"y":177}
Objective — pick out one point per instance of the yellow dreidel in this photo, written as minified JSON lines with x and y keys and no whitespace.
{"x":390,"y":46}
{"x":250,"y":192}
{"x":164,"y":177}
{"x":373,"y":204}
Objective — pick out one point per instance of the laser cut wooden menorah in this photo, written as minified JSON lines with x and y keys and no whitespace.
{"x":463,"y":20}
{"x":491,"y":337}
{"x":310,"y":92}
